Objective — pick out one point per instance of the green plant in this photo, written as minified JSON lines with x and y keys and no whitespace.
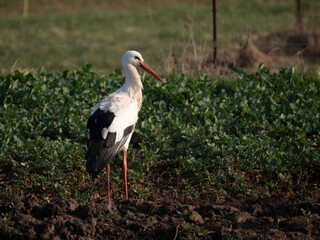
{"x":239,"y":134}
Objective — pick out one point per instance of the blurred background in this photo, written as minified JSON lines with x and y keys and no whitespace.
{"x":172,"y":35}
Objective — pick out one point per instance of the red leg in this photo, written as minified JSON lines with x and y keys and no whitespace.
{"x":108,"y":179}
{"x":125,"y":171}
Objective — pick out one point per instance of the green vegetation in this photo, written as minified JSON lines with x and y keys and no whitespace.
{"x":57,"y":39}
{"x":260,"y":130}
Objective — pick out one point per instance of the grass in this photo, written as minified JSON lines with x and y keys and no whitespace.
{"x":73,"y":38}
{"x":254,"y":131}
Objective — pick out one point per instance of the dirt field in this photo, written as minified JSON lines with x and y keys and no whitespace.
{"x":169,"y":215}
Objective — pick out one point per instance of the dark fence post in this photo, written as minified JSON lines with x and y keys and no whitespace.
{"x":299,"y":14}
{"x":214,"y":19}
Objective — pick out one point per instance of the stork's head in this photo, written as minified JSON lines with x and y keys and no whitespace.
{"x":134,"y":58}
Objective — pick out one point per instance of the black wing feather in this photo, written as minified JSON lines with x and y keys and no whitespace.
{"x":102,"y":151}
{"x":99,"y":120}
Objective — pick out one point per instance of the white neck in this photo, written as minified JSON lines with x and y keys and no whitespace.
{"x":133,"y":85}
{"x":133,"y":78}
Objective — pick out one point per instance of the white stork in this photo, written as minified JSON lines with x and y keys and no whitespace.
{"x":113,"y":119}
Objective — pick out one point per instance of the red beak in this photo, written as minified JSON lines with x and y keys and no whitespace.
{"x":149,"y":70}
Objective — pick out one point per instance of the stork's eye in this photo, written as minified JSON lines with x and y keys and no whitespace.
{"x":136,"y":57}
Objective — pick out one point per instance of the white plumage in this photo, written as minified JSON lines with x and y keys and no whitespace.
{"x":112,"y":121}
{"x":125,"y":110}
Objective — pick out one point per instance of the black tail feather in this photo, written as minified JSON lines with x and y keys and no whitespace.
{"x":99,"y":154}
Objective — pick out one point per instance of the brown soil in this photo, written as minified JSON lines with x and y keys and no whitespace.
{"x":290,"y":47}
{"x":291,"y":42}
{"x":168,"y":215}
{"x":251,"y":56}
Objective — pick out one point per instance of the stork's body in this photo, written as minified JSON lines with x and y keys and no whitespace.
{"x":112,"y":121}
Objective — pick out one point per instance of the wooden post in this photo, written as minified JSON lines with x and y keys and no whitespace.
{"x":25,"y":8}
{"x":214,"y":21}
{"x":299,"y":14}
